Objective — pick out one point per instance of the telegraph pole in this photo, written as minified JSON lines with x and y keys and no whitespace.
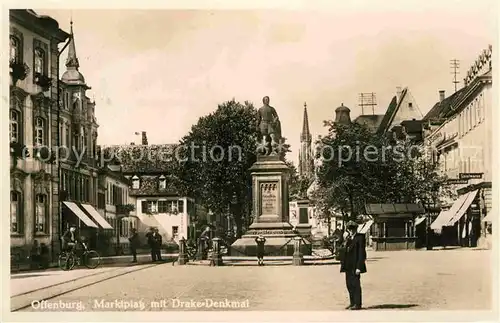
{"x":455,"y":66}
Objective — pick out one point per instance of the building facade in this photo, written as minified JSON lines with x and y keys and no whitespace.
{"x":117,"y":207}
{"x":78,"y":165}
{"x":155,"y":190}
{"x":34,"y":41}
{"x":459,"y":138}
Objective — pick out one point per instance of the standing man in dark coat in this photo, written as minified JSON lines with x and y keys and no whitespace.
{"x":151,"y":243}
{"x":353,"y":264}
{"x":158,"y":241}
{"x":134,"y":243}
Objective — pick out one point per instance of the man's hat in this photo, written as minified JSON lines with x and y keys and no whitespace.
{"x":351,"y":224}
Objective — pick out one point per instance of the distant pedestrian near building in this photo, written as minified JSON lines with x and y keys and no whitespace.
{"x":260,"y":240}
{"x":134,"y":243}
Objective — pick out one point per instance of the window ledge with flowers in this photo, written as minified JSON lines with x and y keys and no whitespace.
{"x":43,"y":81}
{"x":18,"y":151}
{"x":124,"y":209}
{"x":18,"y":71}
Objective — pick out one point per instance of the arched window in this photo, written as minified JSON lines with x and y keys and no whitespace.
{"x":39,"y":131}
{"x":41,"y":213}
{"x":15,"y":212}
{"x":14,"y":49}
{"x":14,"y":126}
{"x":39,"y":61}
{"x":163,"y":182}
{"x":135,"y":182}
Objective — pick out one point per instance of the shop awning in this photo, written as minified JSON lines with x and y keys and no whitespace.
{"x":80,"y":214}
{"x":364,"y":229}
{"x":488,"y":217}
{"x":445,"y":216}
{"x":463,"y":208}
{"x":97,"y":217}
{"x":419,"y":220}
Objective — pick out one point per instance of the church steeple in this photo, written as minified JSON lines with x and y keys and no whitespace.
{"x":305,"y":153}
{"x":305,"y":136}
{"x":72,"y":75}
{"x":72,"y":61}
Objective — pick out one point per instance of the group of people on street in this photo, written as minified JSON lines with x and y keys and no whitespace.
{"x":155,"y":242}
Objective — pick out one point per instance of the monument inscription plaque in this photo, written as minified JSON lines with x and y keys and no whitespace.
{"x":269,"y":199}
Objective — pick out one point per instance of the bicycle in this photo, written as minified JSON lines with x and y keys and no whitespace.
{"x":89,"y":258}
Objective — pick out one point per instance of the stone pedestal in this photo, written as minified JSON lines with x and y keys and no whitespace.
{"x":270,"y":177}
{"x":216,"y":258}
{"x":304,"y":226}
{"x":183,"y":257}
{"x":298,"y":257}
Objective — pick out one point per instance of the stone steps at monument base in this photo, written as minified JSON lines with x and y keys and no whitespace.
{"x":269,"y":261}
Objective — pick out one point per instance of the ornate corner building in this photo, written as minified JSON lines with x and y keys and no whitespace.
{"x":33,"y":62}
{"x":53,"y":133}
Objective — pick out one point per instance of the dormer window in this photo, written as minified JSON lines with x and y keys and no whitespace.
{"x":135,"y":182}
{"x":162,"y":183}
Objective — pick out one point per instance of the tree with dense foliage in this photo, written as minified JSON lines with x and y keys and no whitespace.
{"x":361,"y":167}
{"x":216,"y":158}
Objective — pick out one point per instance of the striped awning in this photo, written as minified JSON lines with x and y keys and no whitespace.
{"x":80,"y":214}
{"x":469,"y":197}
{"x":97,"y":217}
{"x":445,"y":216}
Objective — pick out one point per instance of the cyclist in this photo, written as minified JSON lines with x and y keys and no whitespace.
{"x":70,"y":240}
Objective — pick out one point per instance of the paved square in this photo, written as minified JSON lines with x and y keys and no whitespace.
{"x":418,"y":280}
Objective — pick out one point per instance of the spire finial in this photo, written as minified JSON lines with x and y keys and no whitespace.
{"x":305,"y":104}
{"x":72,"y":60}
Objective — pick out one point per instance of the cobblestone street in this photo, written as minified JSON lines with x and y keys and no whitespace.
{"x":457,"y":279}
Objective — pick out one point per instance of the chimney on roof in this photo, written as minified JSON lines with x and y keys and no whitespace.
{"x":144,"y":138}
{"x":441,"y":95}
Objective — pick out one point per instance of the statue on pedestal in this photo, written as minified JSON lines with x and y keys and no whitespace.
{"x":269,"y":129}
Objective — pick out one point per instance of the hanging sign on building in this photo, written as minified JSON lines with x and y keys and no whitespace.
{"x":457,"y":181}
{"x":471,"y":175}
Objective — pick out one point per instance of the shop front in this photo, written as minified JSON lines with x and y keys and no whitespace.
{"x":463,"y":224}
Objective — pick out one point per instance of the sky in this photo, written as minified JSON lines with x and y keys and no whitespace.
{"x":160,"y":70}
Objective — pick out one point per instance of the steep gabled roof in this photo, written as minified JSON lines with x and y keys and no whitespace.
{"x":446,"y":107}
{"x":443,"y":107}
{"x":391,"y":111}
{"x":149,"y":186}
{"x":143,"y":159}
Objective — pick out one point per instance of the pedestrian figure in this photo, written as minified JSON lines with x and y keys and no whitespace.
{"x":260,"y":240}
{"x":337,"y":238}
{"x":134,"y":243}
{"x":35,"y":255}
{"x":157,"y":244}
{"x":353,"y":264}
{"x":151,"y":243}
